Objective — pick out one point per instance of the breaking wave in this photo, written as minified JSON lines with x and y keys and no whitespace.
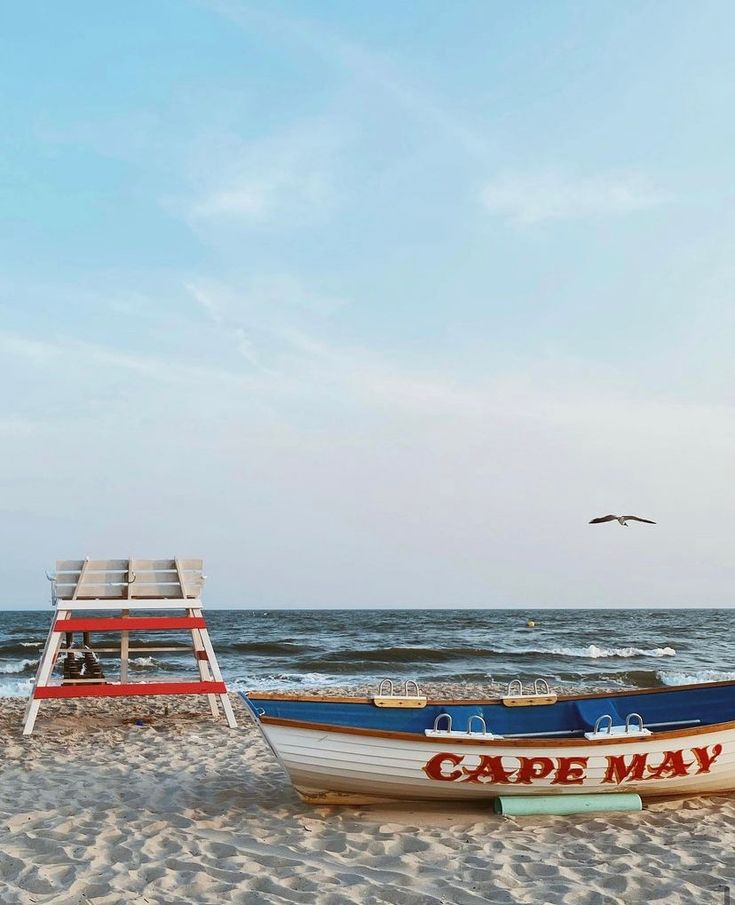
{"x":695,"y":678}
{"x":595,"y":652}
{"x":17,"y":666}
{"x":20,"y":688}
{"x":450,"y":654}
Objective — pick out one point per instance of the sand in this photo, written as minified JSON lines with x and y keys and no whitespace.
{"x":182,"y":811}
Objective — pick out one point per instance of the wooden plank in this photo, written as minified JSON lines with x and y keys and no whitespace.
{"x":75,"y":565}
{"x":128,"y":689}
{"x":215,"y":670}
{"x":134,"y":650}
{"x":125,"y":636}
{"x":92,"y":593}
{"x":167,"y":564}
{"x":173,"y":589}
{"x":162,"y":603}
{"x":150,"y":576}
{"x":43,"y":674}
{"x":130,"y":623}
{"x":81,"y":579}
{"x":103,"y":576}
{"x":102,"y":565}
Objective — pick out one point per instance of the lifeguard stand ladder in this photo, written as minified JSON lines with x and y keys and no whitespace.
{"x":122,"y":585}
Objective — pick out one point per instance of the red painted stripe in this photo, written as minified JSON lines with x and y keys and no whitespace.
{"x":130,"y":688}
{"x":129,"y":623}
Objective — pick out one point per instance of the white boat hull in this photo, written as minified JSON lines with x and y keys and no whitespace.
{"x":328,"y":765}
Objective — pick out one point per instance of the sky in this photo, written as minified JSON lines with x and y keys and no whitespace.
{"x":371,"y":305}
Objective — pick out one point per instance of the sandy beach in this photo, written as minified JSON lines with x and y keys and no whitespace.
{"x":177,"y":809}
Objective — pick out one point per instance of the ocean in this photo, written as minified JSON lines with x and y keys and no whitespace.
{"x":298,"y":649}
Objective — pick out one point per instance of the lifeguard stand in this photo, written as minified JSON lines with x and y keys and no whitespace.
{"x":122,"y":585}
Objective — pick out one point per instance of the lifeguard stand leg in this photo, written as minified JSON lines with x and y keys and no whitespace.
{"x":202,"y":662}
{"x":45,"y":668}
{"x":214,"y":666}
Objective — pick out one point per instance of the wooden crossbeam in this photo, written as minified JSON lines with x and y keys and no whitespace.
{"x":130,"y":623}
{"x":111,"y":690}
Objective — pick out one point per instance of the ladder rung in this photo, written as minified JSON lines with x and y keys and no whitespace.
{"x":131,"y":650}
{"x":128,"y":689}
{"x":129,"y":623}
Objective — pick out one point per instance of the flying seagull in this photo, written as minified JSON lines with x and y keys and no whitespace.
{"x":623,"y":519}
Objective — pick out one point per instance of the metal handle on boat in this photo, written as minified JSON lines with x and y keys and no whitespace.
{"x":443,"y":716}
{"x":414,"y":685}
{"x":541,"y":686}
{"x":382,"y":693}
{"x":515,"y":683}
{"x":600,"y":720}
{"x":629,"y":719}
{"x":476,"y":716}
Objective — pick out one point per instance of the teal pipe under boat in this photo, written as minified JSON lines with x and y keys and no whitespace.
{"x":525,"y":805}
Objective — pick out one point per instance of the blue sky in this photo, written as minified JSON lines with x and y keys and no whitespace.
{"x":371,"y":304}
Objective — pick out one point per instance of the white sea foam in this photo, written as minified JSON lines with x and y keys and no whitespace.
{"x":595,"y":652}
{"x":19,"y":688}
{"x":694,"y":678}
{"x":16,"y":666}
{"x":31,"y":643}
{"x":143,"y":661}
{"x":288,"y":680}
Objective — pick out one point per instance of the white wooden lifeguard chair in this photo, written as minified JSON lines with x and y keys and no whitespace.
{"x":123,"y":585}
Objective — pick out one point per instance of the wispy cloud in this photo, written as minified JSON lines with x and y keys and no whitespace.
{"x":530,"y":199}
{"x":370,"y":67}
{"x":286,"y":177}
{"x":261,"y":316}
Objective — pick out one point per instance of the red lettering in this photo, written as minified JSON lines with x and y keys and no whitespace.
{"x":489,"y":769}
{"x":705,"y":759}
{"x":672,"y":764}
{"x":618,"y":770}
{"x":570,"y":771}
{"x":434,"y":768}
{"x":533,"y":768}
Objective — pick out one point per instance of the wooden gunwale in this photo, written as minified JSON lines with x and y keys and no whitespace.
{"x":449,"y":742}
{"x":439,"y":702}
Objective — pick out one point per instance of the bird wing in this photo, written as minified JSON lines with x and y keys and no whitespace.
{"x":635,"y":518}
{"x":603,"y":518}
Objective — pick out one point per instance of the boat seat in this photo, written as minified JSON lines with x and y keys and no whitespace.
{"x":461,"y":722}
{"x":604,"y":721}
{"x":589,"y":712}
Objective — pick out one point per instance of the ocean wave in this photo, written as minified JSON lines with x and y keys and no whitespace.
{"x":17,"y":648}
{"x":286,"y":681}
{"x":20,"y":688}
{"x":143,"y":661}
{"x":344,"y":658}
{"x":264,"y":647}
{"x":695,"y":678}
{"x":595,"y":652}
{"x":17,"y":666}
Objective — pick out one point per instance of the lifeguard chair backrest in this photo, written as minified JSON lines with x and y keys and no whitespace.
{"x":128,"y":579}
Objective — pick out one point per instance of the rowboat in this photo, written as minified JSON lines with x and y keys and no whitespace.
{"x":398,"y":744}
